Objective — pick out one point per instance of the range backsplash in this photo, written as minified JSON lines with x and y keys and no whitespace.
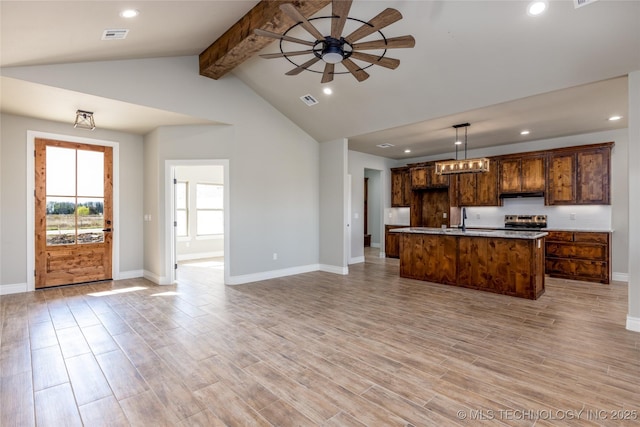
{"x":588,"y":217}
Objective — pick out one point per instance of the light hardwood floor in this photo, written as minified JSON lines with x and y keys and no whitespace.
{"x":369,"y":348}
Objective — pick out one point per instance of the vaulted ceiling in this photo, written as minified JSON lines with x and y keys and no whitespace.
{"x":483,"y":62}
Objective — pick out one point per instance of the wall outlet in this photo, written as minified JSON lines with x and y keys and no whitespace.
{"x":275,"y":256}
{"x":572,"y":216}
{"x":477,"y":216}
{"x":444,"y":215}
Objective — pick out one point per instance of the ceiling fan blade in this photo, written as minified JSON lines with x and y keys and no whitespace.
{"x":301,"y":68}
{"x":357,"y":72}
{"x":378,"y":22}
{"x":339,"y":8}
{"x":282,"y":55}
{"x":265,"y":33}
{"x":295,"y":14}
{"x":392,"y":43}
{"x":376,"y":60}
{"x":327,"y":76}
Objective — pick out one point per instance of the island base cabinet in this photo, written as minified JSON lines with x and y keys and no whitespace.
{"x":502,"y":265}
{"x":428,"y":257}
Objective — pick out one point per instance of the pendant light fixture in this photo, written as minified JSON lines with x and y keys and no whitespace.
{"x":448,"y":167}
{"x":84,"y":120}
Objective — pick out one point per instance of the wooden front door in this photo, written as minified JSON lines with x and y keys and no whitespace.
{"x":74,"y":212}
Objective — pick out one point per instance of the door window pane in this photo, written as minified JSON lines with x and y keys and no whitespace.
{"x":61,"y":220}
{"x":90,"y":220}
{"x":61,"y":171}
{"x":90,"y":173}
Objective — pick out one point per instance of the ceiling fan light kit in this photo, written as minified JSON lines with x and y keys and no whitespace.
{"x":450,"y":167}
{"x":336,"y":49}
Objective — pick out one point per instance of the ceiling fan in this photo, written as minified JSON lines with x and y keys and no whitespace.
{"x":337,"y":49}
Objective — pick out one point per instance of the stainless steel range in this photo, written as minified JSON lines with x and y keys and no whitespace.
{"x":525,"y":222}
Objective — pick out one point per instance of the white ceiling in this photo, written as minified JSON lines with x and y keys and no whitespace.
{"x":483,"y":62}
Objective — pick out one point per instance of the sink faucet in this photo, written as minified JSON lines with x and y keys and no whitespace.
{"x":464,"y":216}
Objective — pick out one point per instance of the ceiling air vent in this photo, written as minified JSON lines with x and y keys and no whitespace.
{"x":309,"y":100}
{"x":580,"y":3}
{"x":385,"y":145}
{"x":115,"y":34}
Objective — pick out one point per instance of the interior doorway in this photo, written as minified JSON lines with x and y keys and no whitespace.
{"x":199,"y":221}
{"x":373,"y":210}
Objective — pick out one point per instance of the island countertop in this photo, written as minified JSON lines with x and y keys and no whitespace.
{"x":502,"y":234}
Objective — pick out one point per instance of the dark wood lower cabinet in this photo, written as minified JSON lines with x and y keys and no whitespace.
{"x":428,"y":257}
{"x":502,"y":265}
{"x":392,"y":241}
{"x":579,"y":255}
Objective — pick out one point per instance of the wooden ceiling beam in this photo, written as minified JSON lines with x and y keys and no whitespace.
{"x":239,"y":43}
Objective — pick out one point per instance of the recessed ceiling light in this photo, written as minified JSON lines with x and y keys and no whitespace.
{"x":537,"y":7}
{"x":525,"y":132}
{"x":327,"y":91}
{"x":407,"y":151}
{"x":614,"y":118}
{"x":458,"y":143}
{"x":130,"y":13}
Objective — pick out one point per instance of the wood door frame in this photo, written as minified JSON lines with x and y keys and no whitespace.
{"x":30,"y":214}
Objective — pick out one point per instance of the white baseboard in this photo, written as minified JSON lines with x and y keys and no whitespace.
{"x":273,"y":274}
{"x":199,"y":255}
{"x":133,"y":274}
{"x":356,"y":260}
{"x":620,"y":277}
{"x":334,"y":269}
{"x":158,"y":280}
{"x":633,"y":323}
{"x":15,"y":288}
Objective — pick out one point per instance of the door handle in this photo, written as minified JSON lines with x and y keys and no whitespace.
{"x":106,"y":229}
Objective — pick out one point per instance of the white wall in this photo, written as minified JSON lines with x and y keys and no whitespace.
{"x":633,"y":317}
{"x":333,"y":206}
{"x":13,"y":227}
{"x":274,"y":168}
{"x":615,"y":216}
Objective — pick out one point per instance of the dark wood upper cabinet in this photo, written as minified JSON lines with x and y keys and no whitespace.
{"x":593,"y":175}
{"x":479,"y":189}
{"x":435,"y":180}
{"x":579,"y":175}
{"x":522,"y":174}
{"x":400,"y":187}
{"x":423,"y":176}
{"x":561,"y":179}
{"x":419,"y":178}
{"x":467,"y":189}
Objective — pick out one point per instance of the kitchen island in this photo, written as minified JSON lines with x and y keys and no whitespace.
{"x":501,"y":261}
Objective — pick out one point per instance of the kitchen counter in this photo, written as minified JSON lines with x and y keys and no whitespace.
{"x":470,"y":232}
{"x":500,"y":261}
